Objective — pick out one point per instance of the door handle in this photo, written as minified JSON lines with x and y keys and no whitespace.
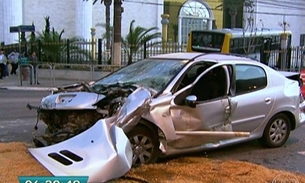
{"x":228,"y":109}
{"x":268,"y":100}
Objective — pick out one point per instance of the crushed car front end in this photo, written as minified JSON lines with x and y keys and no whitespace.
{"x":72,"y":109}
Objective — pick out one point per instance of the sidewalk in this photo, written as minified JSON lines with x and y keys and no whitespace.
{"x":13,"y":83}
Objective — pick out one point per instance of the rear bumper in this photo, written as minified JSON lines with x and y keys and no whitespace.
{"x":301,"y":115}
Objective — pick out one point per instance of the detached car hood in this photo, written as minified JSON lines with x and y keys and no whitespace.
{"x":102,"y":152}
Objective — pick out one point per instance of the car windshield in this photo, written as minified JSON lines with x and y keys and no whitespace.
{"x":150,"y":73}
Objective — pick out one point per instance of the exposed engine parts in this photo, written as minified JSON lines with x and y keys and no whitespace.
{"x":62,"y":125}
{"x":66,"y":123}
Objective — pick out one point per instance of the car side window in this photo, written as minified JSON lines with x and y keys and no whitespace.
{"x":212,"y":85}
{"x":190,"y":76}
{"x":250,"y":78}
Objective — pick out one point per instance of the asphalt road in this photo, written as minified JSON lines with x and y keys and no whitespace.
{"x":290,"y":157}
{"x":17,"y":122}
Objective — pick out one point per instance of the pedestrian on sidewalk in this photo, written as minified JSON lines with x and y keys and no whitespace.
{"x":24,"y":68}
{"x":14,"y":57}
{"x":34,"y":61}
{"x":3,"y":61}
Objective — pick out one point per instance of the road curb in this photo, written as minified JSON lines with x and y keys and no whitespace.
{"x":27,"y":88}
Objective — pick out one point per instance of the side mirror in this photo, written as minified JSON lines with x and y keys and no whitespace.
{"x":191,"y":100}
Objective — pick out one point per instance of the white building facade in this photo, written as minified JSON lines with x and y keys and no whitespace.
{"x":275,"y":14}
{"x":75,"y":17}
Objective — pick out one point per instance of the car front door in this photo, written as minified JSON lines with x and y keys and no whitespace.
{"x":203,"y":122}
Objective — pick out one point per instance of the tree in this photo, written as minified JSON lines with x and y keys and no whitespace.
{"x":32,"y":36}
{"x":107,"y":4}
{"x":54,"y":48}
{"x":249,"y":27}
{"x":116,"y":26}
{"x":136,"y":38}
{"x":48,"y":38}
{"x":255,"y":39}
{"x":117,"y":20}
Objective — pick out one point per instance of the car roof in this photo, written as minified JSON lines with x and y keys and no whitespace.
{"x":203,"y":56}
{"x":180,"y":55}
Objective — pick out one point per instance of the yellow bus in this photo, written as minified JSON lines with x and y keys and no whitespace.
{"x":256,"y":44}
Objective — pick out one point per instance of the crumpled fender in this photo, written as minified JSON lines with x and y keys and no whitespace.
{"x":136,"y":104}
{"x":103,"y":152}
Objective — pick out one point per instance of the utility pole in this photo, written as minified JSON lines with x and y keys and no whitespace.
{"x":116,"y":53}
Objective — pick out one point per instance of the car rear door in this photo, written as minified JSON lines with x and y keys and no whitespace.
{"x":254,"y":98}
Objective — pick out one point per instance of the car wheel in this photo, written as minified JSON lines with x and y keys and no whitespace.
{"x":145,"y":145}
{"x":277,"y":131}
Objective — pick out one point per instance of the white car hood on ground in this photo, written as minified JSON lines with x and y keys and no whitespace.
{"x":102,"y":152}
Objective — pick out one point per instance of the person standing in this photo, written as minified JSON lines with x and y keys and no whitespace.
{"x":14,"y":57}
{"x":3,"y":61}
{"x":23,"y":62}
{"x":34,"y":61}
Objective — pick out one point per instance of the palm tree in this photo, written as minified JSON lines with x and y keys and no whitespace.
{"x":136,"y":38}
{"x":50,"y":40}
{"x":55,"y":49}
{"x":116,"y":24}
{"x":107,"y":4}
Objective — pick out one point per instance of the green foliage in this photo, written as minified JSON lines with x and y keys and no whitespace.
{"x":32,"y":36}
{"x":54,"y":48}
{"x":136,"y":38}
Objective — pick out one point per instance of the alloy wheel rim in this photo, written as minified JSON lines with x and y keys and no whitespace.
{"x":278,"y":131}
{"x":142,"y":148}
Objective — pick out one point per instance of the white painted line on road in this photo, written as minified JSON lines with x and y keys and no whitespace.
{"x":301,"y":153}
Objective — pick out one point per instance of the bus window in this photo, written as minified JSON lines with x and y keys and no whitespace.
{"x":205,"y":41}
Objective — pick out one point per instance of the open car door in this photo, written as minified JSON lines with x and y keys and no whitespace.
{"x":201,"y":111}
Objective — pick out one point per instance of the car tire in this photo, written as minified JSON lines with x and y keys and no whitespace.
{"x":277,"y":131}
{"x":145,"y":145}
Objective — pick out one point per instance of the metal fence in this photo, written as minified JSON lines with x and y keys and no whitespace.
{"x":294,"y":60}
{"x":95,"y":52}
{"x":89,"y":51}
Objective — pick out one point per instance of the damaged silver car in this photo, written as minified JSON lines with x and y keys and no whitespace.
{"x":179,"y":103}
